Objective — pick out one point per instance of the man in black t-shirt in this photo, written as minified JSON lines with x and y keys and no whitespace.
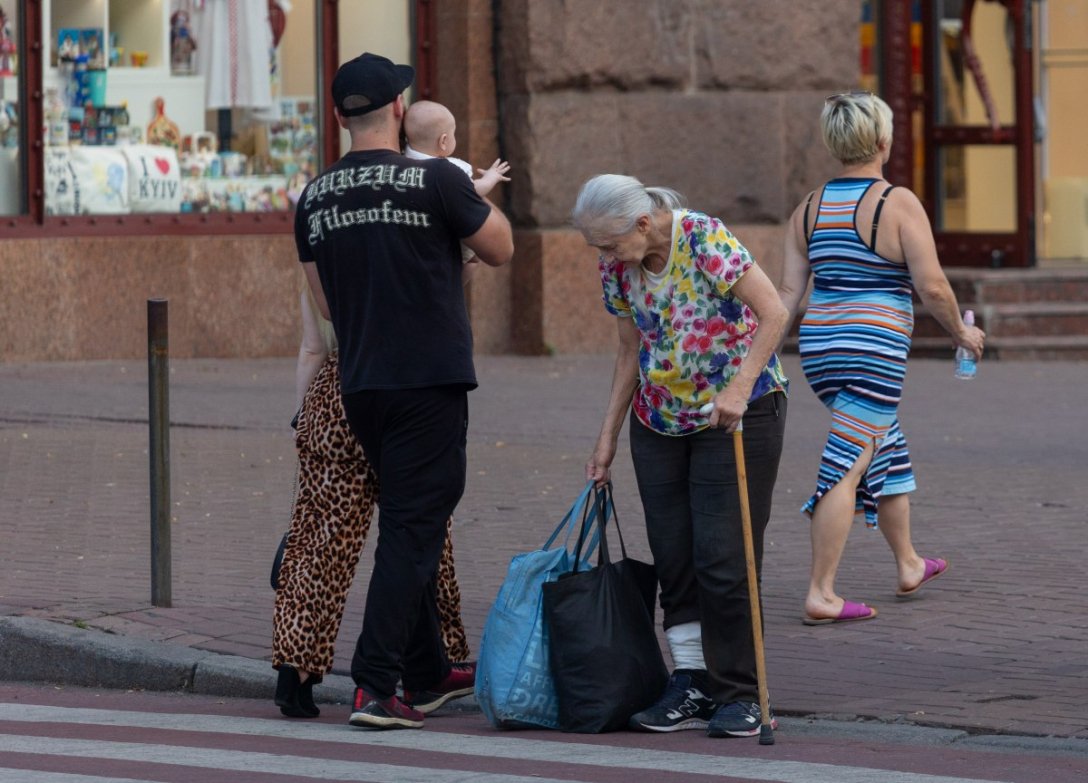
{"x":379,"y":235}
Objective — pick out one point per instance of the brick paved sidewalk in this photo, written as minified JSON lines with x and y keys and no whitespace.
{"x":997,"y":645}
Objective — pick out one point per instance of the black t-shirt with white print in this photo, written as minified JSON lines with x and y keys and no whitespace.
{"x":385,"y":231}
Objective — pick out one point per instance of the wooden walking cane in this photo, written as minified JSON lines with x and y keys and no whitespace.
{"x":766,"y":733}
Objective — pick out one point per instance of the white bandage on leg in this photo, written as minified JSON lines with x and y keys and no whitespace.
{"x":686,"y":645}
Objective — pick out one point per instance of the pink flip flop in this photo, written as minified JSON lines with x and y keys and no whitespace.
{"x":851,"y":612}
{"x":934,"y":568}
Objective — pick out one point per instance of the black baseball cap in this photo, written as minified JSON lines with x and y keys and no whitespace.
{"x":369,"y":82}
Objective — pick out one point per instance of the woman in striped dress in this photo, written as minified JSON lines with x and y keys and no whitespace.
{"x":866,"y":245}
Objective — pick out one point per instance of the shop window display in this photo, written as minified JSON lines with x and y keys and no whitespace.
{"x":175,"y":106}
{"x":11,"y":170}
{"x":131,"y":113}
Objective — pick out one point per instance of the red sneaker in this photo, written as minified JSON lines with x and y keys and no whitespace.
{"x":370,"y":712}
{"x":461,"y":681}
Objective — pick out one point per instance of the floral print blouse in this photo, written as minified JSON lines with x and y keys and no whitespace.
{"x":694,"y":333}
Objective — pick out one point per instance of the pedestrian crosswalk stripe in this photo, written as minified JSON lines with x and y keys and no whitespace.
{"x":497,"y":746}
{"x":248,"y":761}
{"x":37,"y":776}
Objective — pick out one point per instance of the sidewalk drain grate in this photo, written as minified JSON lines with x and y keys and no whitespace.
{"x":54,"y":418}
{"x":1011,"y":697}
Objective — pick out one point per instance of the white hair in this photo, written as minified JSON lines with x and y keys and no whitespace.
{"x":608,"y":205}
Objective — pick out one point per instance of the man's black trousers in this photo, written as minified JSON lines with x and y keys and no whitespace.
{"x":415,"y":441}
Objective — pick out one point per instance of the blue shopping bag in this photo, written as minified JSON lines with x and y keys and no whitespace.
{"x":514,"y":686}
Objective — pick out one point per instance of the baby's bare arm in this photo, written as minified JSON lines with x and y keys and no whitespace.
{"x":492,"y":176}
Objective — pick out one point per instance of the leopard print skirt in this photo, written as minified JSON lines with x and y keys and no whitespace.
{"x":337,"y":492}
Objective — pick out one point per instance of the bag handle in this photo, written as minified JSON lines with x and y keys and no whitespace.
{"x":568,"y":520}
{"x":604,"y":508}
{"x":588,"y":517}
{"x":611,"y":509}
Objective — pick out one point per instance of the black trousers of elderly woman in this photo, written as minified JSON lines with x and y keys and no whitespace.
{"x":415,"y":440}
{"x":688,"y":486}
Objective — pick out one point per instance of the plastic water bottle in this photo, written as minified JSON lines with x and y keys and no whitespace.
{"x":966,"y":365}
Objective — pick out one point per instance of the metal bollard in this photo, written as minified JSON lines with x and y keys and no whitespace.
{"x":158,"y":388}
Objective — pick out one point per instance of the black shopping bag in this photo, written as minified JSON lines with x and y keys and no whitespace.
{"x":605,"y":659}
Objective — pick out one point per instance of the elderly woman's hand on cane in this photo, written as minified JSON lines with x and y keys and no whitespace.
{"x":725,"y":411}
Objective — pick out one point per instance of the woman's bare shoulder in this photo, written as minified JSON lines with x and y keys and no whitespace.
{"x":905,"y":207}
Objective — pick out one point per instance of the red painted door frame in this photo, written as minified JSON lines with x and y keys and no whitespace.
{"x":423,"y":30}
{"x":958,"y":248}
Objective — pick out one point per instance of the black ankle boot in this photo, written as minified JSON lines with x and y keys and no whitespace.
{"x":289,"y":694}
{"x":306,"y":696}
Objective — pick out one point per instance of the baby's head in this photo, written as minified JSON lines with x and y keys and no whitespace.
{"x":431,"y":129}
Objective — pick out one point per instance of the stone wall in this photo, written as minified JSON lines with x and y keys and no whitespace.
{"x":86,"y":298}
{"x":718,"y":99}
{"x":465,"y":82}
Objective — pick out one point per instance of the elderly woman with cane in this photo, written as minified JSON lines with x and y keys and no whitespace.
{"x":698,"y":323}
{"x":868,"y":245}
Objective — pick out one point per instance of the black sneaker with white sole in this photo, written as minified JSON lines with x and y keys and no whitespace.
{"x":461,"y":681}
{"x":683,"y":705}
{"x":737,"y":719}
{"x":370,"y":712}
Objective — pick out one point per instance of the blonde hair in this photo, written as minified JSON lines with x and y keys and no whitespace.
{"x":608,"y":205}
{"x":855,"y":125}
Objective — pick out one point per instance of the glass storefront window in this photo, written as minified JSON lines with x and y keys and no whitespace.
{"x":977,"y":188}
{"x":873,"y":17}
{"x":12,"y":169}
{"x":380,"y":26}
{"x":208,"y":107}
{"x":960,"y":102}
{"x":174,"y":106}
{"x":976,"y":183}
{"x":1063,"y":66}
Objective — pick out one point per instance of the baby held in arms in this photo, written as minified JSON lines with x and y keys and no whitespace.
{"x":431,"y":132}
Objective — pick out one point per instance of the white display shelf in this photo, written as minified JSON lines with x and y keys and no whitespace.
{"x":139,"y":87}
{"x":141,"y":25}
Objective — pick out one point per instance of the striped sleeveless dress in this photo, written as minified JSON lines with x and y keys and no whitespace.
{"x":854,"y":342}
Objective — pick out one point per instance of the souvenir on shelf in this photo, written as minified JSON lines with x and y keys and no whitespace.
{"x":198,"y":154}
{"x":292,"y":139}
{"x":9,"y":124}
{"x":277,"y":18}
{"x":79,"y":84}
{"x":56,"y":118}
{"x":117,"y":52}
{"x":87,"y":41}
{"x":182,"y":43}
{"x":67,"y":44}
{"x":7,"y":45}
{"x":91,"y":45}
{"x":162,"y":130}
